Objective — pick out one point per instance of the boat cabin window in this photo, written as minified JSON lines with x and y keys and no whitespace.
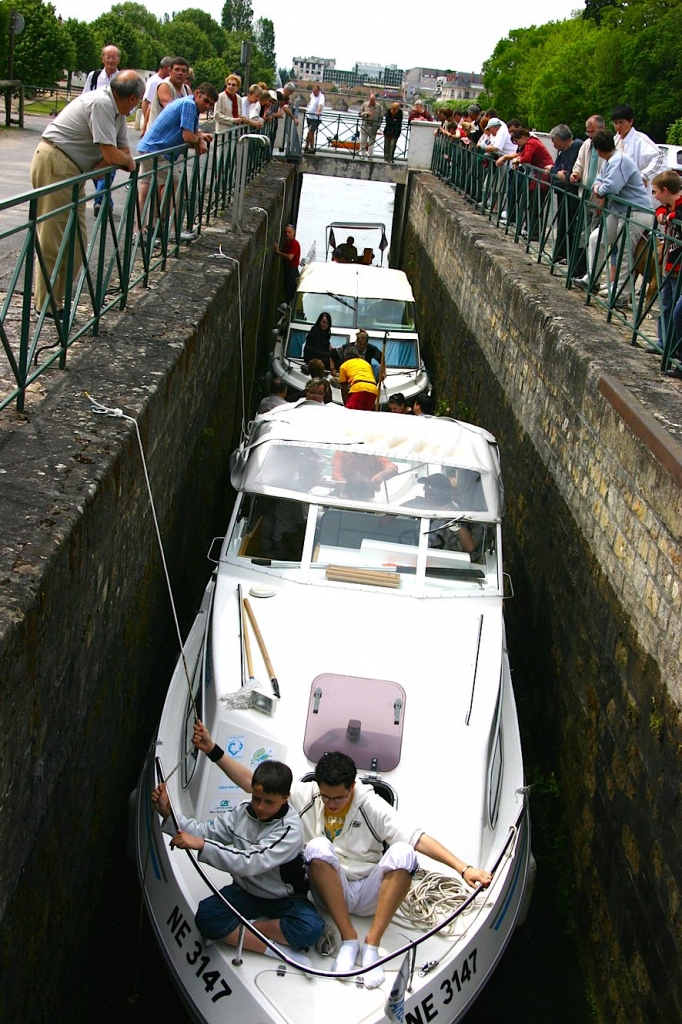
{"x":386,"y":314}
{"x":401,"y":354}
{"x":274,"y":528}
{"x":362,"y":718}
{"x":297,"y":338}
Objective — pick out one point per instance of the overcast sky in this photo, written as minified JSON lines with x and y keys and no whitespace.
{"x":378,"y":33}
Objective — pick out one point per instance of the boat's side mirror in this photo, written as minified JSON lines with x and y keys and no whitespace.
{"x":214,"y":550}
{"x":507,"y":586}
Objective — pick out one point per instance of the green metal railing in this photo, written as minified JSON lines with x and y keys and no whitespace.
{"x":559,"y":223}
{"x":120,"y":253}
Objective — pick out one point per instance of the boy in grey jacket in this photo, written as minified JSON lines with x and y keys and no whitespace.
{"x":259,"y":842}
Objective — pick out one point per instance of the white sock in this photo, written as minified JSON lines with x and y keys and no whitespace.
{"x":293,"y":954}
{"x":345,"y":961}
{"x":376,"y":976}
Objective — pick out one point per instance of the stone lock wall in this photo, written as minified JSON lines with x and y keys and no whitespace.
{"x":87,"y":642}
{"x":593,"y":489}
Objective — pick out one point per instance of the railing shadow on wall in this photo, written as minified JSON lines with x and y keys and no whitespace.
{"x":632,"y":262}
{"x":120,"y":254}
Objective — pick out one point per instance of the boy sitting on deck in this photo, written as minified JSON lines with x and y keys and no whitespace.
{"x":346,"y":825}
{"x":259,"y":842}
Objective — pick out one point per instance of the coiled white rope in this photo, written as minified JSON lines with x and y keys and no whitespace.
{"x":432,"y":899}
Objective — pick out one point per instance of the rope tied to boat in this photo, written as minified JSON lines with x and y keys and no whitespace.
{"x":103,"y":410}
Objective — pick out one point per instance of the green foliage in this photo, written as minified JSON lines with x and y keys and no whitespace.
{"x":115,"y":30}
{"x":287,"y":75}
{"x":237,"y":16}
{"x":138,"y":17}
{"x":260,"y":70}
{"x":265,"y":40}
{"x":185,"y":39}
{"x":86,"y":52}
{"x":5,"y":13}
{"x":206,"y":24}
{"x":213,"y":70}
{"x":674,"y":134}
{"x":43,"y":51}
{"x":562,"y":72}
{"x":594,"y":9}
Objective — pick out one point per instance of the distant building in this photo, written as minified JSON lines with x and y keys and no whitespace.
{"x":312,"y":69}
{"x":461,"y":85}
{"x":424,"y":80}
{"x":367,"y":74}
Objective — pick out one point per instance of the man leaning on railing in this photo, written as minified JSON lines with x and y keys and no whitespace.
{"x":626,"y":220}
{"x":176,"y":125}
{"x":89,"y":134}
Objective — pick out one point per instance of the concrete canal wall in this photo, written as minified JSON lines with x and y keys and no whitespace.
{"x":86,"y":636}
{"x":594,"y":522}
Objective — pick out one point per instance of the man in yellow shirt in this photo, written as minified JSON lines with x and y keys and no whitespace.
{"x":356,"y":377}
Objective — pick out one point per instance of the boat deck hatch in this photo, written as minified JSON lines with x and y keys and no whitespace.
{"x":360,"y":717}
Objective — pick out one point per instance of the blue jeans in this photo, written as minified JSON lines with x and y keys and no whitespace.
{"x":100,"y":185}
{"x":671,"y":314}
{"x":299,"y":922}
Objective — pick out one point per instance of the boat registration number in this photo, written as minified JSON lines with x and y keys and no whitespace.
{"x":200,"y":962}
{"x":425,"y":1010}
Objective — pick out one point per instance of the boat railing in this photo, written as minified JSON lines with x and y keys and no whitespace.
{"x":507,"y":851}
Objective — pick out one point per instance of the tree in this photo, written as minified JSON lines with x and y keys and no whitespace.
{"x":206,"y":24}
{"x":285,"y":75}
{"x":213,"y":70}
{"x":115,"y":30}
{"x":43,"y":51}
{"x":594,"y":9}
{"x":265,"y":39}
{"x":185,"y":39}
{"x":86,"y":52}
{"x":237,"y":16}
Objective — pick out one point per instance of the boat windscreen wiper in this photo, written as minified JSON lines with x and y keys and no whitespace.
{"x":339,"y":298}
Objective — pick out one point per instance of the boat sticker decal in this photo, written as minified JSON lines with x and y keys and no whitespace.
{"x":235,"y":745}
{"x":262,"y":754}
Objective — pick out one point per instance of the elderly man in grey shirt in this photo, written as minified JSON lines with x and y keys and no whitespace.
{"x":90,"y":133}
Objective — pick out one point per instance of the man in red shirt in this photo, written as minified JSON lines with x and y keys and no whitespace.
{"x":291,"y":258}
{"x":533,"y":153}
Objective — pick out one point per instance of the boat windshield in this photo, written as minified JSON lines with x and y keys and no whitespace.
{"x":385,"y":315}
{"x":372,"y":314}
{"x":352,"y":475}
{"x":309,"y":305}
{"x":364,"y":547}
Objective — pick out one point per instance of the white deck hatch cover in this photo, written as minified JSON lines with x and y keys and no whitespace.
{"x":362,"y":718}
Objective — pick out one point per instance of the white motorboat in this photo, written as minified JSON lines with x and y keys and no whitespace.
{"x":384,"y":646}
{"x":376,"y":299}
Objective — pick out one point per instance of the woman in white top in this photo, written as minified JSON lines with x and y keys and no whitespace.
{"x":251,"y":108}
{"x":228,"y":109}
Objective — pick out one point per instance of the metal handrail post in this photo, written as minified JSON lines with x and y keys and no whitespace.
{"x":128,"y":232}
{"x":25,"y":328}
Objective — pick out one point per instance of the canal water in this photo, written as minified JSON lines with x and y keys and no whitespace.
{"x":540,"y":978}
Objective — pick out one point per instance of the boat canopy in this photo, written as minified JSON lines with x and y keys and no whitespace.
{"x":376,"y":460}
{"x":355,"y":280}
